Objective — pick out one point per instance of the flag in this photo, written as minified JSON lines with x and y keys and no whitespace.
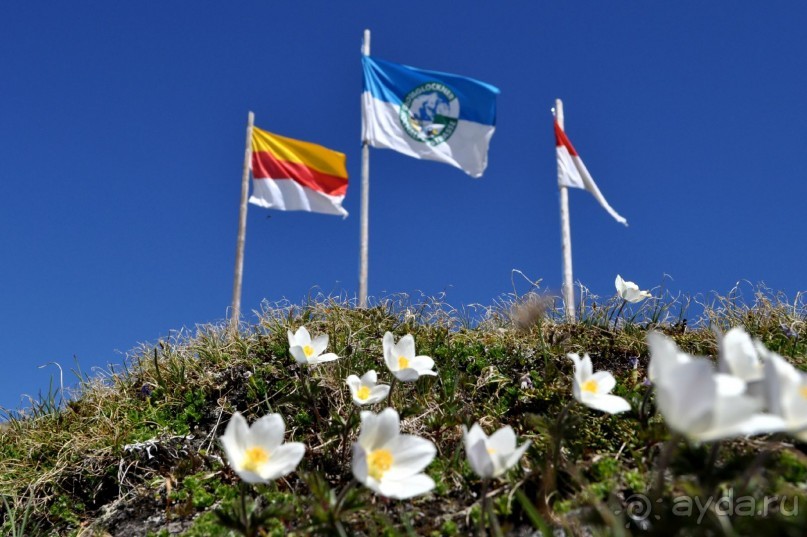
{"x":428,"y":114}
{"x":291,"y":175}
{"x":573,"y":173}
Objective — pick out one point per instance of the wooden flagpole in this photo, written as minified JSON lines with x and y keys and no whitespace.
{"x":365,"y":201}
{"x":566,"y":236}
{"x":242,"y":229}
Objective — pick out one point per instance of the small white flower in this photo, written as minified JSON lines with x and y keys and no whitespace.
{"x":785,"y":392}
{"x":630,"y":291}
{"x":390,"y":463}
{"x":365,"y":390}
{"x":701,"y":404}
{"x":492,"y":456}
{"x":594,"y":389}
{"x":307,"y":351}
{"x":257,"y":454}
{"x":401,"y":359}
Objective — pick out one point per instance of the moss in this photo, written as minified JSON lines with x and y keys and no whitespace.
{"x":791,"y":466}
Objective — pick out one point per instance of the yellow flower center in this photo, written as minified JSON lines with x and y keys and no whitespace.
{"x":254,"y":458}
{"x":803,"y":391}
{"x":590,"y":386}
{"x":363,"y":393}
{"x":308,"y":350}
{"x":491,"y":451}
{"x":403,"y":363}
{"x":378,"y":463}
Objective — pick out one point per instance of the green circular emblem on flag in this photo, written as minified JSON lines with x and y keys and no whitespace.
{"x":430,"y":112}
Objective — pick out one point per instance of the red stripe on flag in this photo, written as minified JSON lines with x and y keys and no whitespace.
{"x":266,"y":166}
{"x":562,"y":140}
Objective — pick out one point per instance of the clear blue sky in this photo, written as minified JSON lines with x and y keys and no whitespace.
{"x":122,"y":136}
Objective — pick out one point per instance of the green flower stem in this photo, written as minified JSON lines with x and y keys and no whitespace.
{"x":391,"y":387}
{"x":484,"y":508}
{"x":665,"y":458}
{"x":551,"y":473}
{"x":619,"y":312}
{"x":347,"y":429}
{"x":247,"y":529}
{"x":306,"y":379}
{"x":643,"y":414}
{"x":341,"y":498}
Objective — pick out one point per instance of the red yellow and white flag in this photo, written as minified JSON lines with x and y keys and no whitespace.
{"x":572,"y":172}
{"x":292,"y":175}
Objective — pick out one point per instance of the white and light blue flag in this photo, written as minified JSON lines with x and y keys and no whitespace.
{"x":428,"y":114}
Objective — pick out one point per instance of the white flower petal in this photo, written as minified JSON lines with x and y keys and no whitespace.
{"x":514,"y":457}
{"x":354,"y":383}
{"x":729,"y":385}
{"x":319,"y":344}
{"x":611,"y":404}
{"x":283,"y":460}
{"x":605,"y":381}
{"x":235,"y":439}
{"x":298,"y":354}
{"x":503,"y":440}
{"x":406,"y":488}
{"x":358,"y":463}
{"x":480,"y":459}
{"x":268,"y":432}
{"x":328,"y":357}
{"x":471,"y":437}
{"x":406,"y":375}
{"x":586,"y":369}
{"x":378,"y":393}
{"x":739,"y":357}
{"x":250,"y":477}
{"x":687,"y":395}
{"x":389,"y":350}
{"x":664,"y":356}
{"x":370,"y":378}
{"x":421,"y":363}
{"x":619,"y":283}
{"x":378,"y":429}
{"x":406,"y":347}
{"x":302,"y":337}
{"x":410,"y":455}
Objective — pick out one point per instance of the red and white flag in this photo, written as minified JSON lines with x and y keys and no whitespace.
{"x":572,"y":172}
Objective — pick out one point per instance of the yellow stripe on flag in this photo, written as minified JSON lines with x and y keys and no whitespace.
{"x":314,"y":156}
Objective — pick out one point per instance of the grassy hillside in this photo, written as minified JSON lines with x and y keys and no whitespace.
{"x":135,"y":451}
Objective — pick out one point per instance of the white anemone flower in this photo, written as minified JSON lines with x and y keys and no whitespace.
{"x":401,"y":360}
{"x":491,"y":456}
{"x":785,"y":392}
{"x":366,"y":390}
{"x":594,"y":389}
{"x":390,"y":463}
{"x":257,"y":454}
{"x":629,"y":291}
{"x":739,"y":357}
{"x":307,"y":351}
{"x":701,"y":404}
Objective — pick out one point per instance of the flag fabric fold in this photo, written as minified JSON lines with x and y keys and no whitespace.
{"x":428,"y":114}
{"x":292,"y":175}
{"x":573,"y":173}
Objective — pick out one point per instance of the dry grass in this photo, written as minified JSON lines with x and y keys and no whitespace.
{"x":135,"y":449}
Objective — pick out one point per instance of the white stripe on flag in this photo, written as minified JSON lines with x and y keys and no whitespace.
{"x":573,"y":173}
{"x":289,"y":195}
{"x":466,"y":149}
